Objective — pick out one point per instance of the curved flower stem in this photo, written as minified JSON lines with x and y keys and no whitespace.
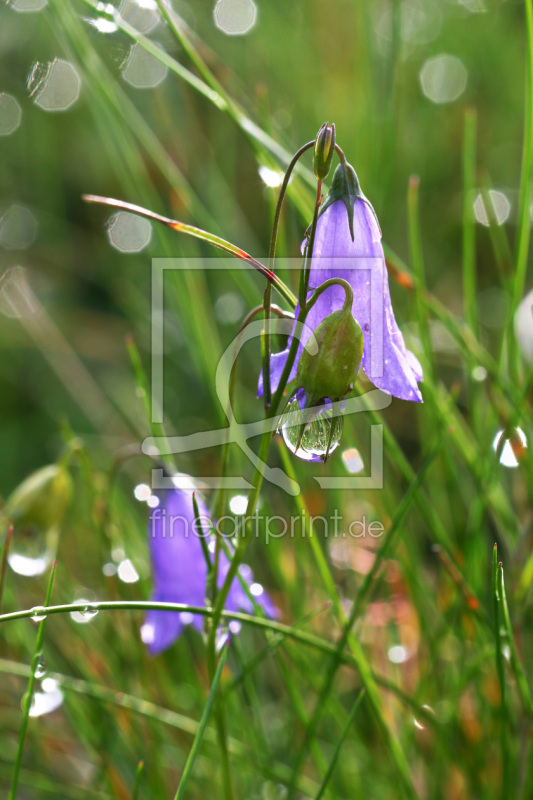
{"x":242,"y":532}
{"x":304,"y":277}
{"x":304,"y":310}
{"x":268,"y":289}
{"x":340,"y":153}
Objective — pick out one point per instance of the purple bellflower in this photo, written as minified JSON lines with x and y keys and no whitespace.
{"x":180,"y":571}
{"x":348,"y":245}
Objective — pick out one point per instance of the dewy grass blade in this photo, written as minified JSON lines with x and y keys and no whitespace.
{"x":500,"y":669}
{"x":28,"y":697}
{"x":516,"y":664}
{"x":336,"y":754}
{"x":195,"y":749}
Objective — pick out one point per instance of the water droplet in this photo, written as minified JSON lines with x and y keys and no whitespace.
{"x":513,"y":449}
{"x":31,"y":551}
{"x":85,"y":613}
{"x":38,"y":613}
{"x":39,"y":668}
{"x":46,"y":701}
{"x":320,"y":436}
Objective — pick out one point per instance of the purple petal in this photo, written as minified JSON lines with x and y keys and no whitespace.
{"x":361,"y":262}
{"x":180,"y":572}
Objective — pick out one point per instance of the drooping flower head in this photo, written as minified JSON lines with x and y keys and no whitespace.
{"x":179,"y":570}
{"x":348,"y":246}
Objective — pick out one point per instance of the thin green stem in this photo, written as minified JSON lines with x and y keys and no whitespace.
{"x":469,"y":225}
{"x":193,"y":754}
{"x":198,"y":233}
{"x":524,"y":220}
{"x":267,"y":389}
{"x":28,"y":697}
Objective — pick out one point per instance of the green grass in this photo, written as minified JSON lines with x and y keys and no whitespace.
{"x":315,"y":704}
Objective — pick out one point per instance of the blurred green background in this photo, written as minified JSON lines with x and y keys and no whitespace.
{"x":84,"y":109}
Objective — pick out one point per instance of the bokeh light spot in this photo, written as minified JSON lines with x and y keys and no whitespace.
{"x":27,"y":6}
{"x":443,"y":78}
{"x":352,"y":461}
{"x":229,"y":308}
{"x":10,"y":114}
{"x":494,"y":207}
{"x":18,"y":228}
{"x":103,"y":25}
{"x":493,"y":304}
{"x":270,"y":177}
{"x":235,"y":17}
{"x":523,"y":326}
{"x":129,"y":233}
{"x":54,"y":86}
{"x":142,"y":70}
{"x":140,"y":14}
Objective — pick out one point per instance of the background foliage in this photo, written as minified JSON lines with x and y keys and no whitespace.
{"x":426,"y":622}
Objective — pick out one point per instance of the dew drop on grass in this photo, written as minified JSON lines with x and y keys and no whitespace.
{"x":38,"y":613}
{"x":30,"y":553}
{"x":320,"y":436}
{"x":85,"y":613}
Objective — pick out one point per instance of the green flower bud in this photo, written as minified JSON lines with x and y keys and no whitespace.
{"x":324,"y":150}
{"x":332,"y":370}
{"x":41,"y":500}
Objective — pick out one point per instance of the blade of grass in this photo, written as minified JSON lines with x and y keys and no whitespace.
{"x":516,"y":663}
{"x":524,"y":220}
{"x":469,"y":225}
{"x":336,"y":754}
{"x":497,"y":621}
{"x":138,"y":778}
{"x":28,"y":697}
{"x":195,"y":749}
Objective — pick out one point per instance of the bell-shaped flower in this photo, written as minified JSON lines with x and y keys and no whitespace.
{"x":348,"y":245}
{"x":179,"y":570}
